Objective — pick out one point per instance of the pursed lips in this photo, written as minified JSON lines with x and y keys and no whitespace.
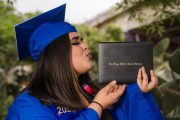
{"x":88,"y":54}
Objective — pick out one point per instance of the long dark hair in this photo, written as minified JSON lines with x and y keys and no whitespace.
{"x":55,"y":81}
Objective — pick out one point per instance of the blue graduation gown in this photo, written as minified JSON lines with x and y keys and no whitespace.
{"x":133,"y":105}
{"x":27,"y":107}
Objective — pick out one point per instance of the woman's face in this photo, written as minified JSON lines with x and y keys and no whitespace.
{"x":81,"y":55}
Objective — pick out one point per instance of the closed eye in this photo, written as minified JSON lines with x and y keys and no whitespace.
{"x":76,"y":40}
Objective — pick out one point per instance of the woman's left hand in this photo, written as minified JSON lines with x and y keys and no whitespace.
{"x":142,"y":80}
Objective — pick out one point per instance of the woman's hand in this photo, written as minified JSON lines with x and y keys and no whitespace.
{"x":107,"y":96}
{"x":142,"y":80}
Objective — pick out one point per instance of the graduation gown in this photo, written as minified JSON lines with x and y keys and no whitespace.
{"x":133,"y":105}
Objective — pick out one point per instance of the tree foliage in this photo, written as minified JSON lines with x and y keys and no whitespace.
{"x":8,"y":55}
{"x":167,"y":66}
{"x":160,"y":10}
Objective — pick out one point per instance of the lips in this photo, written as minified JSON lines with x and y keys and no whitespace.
{"x":89,"y":55}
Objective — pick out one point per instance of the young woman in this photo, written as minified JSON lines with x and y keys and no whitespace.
{"x":62,"y":89}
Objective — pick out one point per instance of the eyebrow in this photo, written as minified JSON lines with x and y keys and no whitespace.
{"x":75,"y":38}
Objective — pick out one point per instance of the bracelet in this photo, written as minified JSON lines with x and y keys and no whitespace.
{"x":98,"y":104}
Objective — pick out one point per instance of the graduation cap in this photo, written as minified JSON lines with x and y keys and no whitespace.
{"x":35,"y":34}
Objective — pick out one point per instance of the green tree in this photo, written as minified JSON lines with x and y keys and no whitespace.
{"x":8,"y":55}
{"x":167,"y":64}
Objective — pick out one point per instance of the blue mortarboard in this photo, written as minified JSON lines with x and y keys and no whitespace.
{"x":35,"y":34}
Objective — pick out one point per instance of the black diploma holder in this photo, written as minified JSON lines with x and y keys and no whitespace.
{"x":121,"y":61}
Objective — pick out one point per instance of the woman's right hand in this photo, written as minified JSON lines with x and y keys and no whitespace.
{"x":109,"y":94}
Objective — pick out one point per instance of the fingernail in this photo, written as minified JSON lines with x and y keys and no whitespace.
{"x":113,"y":82}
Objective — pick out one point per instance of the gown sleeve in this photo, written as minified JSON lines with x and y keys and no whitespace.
{"x":14,"y":114}
{"x":86,"y":114}
{"x":135,"y":105}
{"x":42,"y":114}
{"x":29,"y":113}
{"x":27,"y":107}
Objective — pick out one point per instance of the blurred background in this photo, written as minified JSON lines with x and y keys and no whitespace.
{"x":119,"y":20}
